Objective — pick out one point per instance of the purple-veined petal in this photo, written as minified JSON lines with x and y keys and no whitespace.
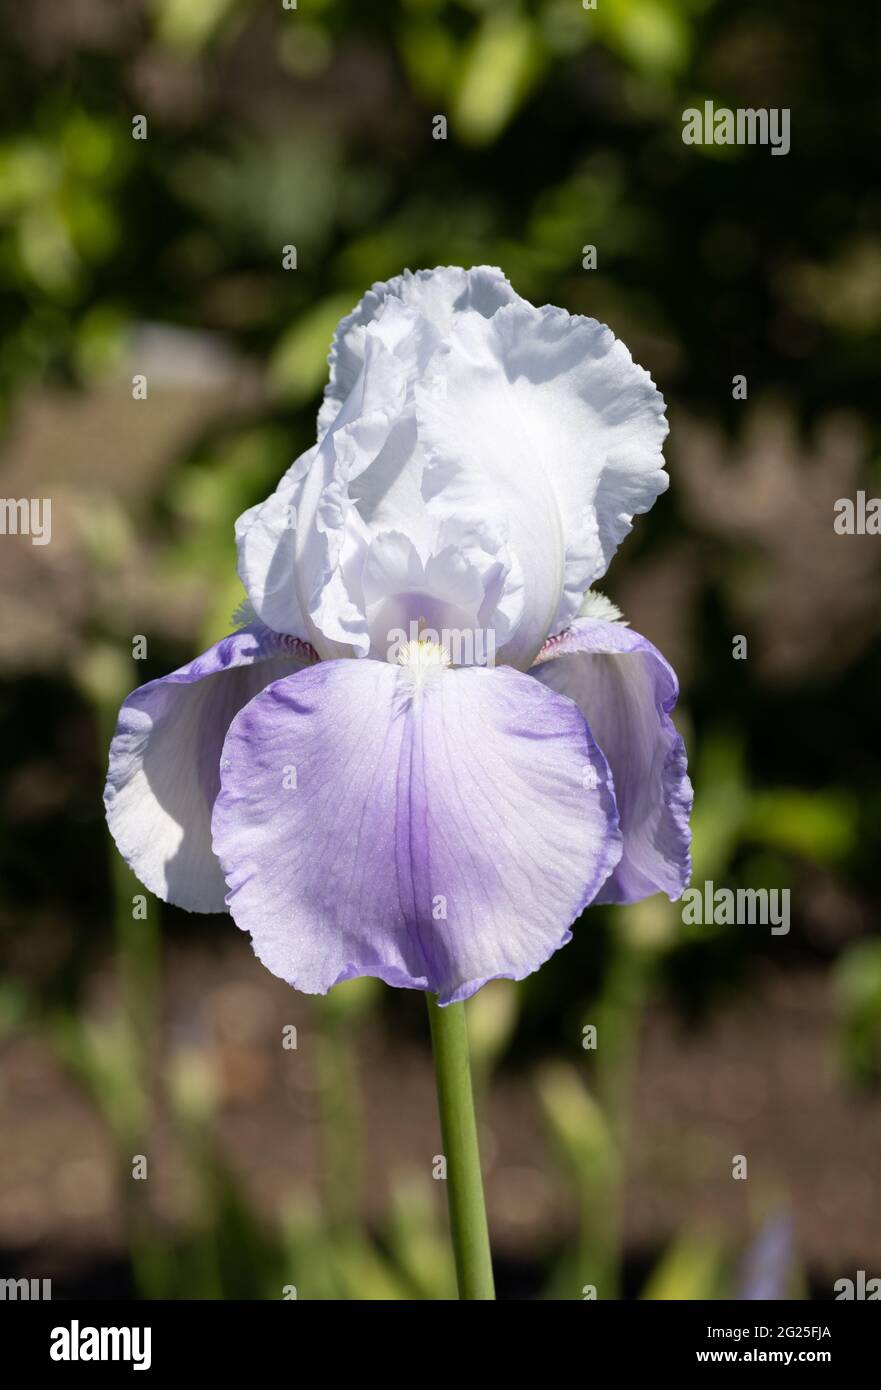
{"x":164,"y":766}
{"x":436,"y":834}
{"x":626,"y":691}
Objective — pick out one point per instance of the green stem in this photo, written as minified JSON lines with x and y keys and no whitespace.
{"x":468,"y":1228}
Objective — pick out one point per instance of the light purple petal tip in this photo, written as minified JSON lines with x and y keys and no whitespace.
{"x":626,"y":691}
{"x":163,"y":773}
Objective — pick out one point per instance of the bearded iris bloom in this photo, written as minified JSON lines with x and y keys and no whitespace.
{"x":365,"y":805}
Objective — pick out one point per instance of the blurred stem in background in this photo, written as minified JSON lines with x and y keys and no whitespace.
{"x":589,"y":1118}
{"x":590,"y":1127}
{"x":468,"y":1227}
{"x":117,"y":1059}
{"x":493,"y":1014}
{"x":582,"y":1135}
{"x":619,"y":1011}
{"x":338,"y":1014}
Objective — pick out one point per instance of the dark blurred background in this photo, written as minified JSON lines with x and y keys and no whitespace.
{"x":270,"y":1166}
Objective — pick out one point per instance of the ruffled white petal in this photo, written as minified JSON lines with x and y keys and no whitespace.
{"x":296,"y":549}
{"x":544,"y":421}
{"x":453,"y":403}
{"x":438,"y":295}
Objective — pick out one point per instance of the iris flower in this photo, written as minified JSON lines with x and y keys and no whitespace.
{"x":430,"y":743}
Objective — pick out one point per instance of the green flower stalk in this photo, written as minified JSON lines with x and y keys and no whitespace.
{"x":468,"y":1226}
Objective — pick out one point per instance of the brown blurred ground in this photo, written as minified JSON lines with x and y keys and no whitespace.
{"x":761,"y":1079}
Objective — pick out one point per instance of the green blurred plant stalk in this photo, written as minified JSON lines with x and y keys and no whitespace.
{"x":121,"y":1079}
{"x":468,"y":1226}
{"x":338,"y":1091}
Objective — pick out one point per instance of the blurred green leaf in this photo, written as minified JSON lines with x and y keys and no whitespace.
{"x":820,"y":825}
{"x":693,"y":1267}
{"x":101,"y":337}
{"x":298,"y":366}
{"x":431,"y":57}
{"x":419,"y":1242}
{"x":15,"y":1002}
{"x":653,"y":35}
{"x":188,"y":25}
{"x":492,"y":1017}
{"x":591,"y":1159}
{"x":501,"y":65}
{"x":858,"y":984}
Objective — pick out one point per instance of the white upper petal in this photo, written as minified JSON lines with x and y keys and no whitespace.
{"x":545,"y":422}
{"x":455,"y":404}
{"x":295,"y":547}
{"x":438,"y":295}
{"x":266,"y":559}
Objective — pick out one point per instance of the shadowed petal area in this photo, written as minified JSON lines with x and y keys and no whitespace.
{"x":626,"y":691}
{"x":436,"y":830}
{"x":164,"y":762}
